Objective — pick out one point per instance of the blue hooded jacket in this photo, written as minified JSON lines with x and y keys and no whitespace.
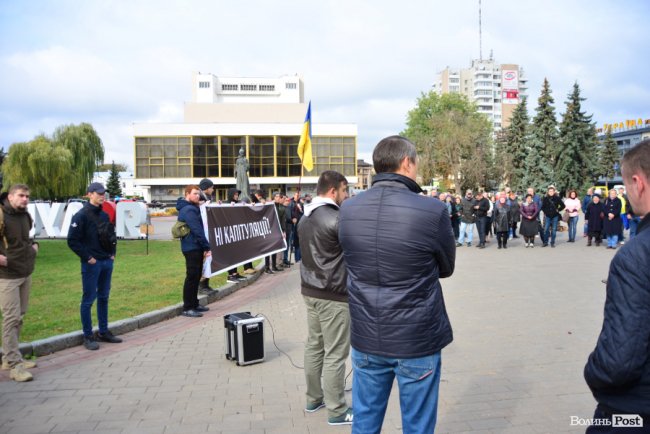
{"x":191,"y":214}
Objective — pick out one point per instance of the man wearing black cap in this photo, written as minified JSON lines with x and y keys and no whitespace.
{"x":92,"y":238}
{"x":207,"y":188}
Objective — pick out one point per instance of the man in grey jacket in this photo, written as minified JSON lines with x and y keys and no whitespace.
{"x":323,"y":286}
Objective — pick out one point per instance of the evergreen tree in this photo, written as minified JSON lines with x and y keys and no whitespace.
{"x":543,"y":144}
{"x":609,"y":156}
{"x":538,"y":172}
{"x":577,"y":161}
{"x":113,"y":186}
{"x":545,"y":125}
{"x":514,"y":148}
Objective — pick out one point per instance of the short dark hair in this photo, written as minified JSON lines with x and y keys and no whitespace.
{"x":329,"y":179}
{"x":191,"y":187}
{"x":390,"y":152}
{"x":14,"y":188}
{"x":637,"y":160}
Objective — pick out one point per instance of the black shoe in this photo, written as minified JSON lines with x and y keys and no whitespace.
{"x":505,"y":247}
{"x":552,"y":245}
{"x":90,"y":343}
{"x":287,"y":264}
{"x":545,"y":245}
{"x":481,"y":246}
{"x":192,"y":313}
{"x":459,"y":244}
{"x":200,"y":308}
{"x":269,"y":271}
{"x":276,"y":269}
{"x":499,"y":246}
{"x":239,"y":277}
{"x":233,"y":278}
{"x":108,"y":337}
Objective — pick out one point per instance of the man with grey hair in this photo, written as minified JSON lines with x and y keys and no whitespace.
{"x":17,"y":259}
{"x":396,"y":244}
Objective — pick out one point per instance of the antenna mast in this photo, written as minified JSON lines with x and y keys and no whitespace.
{"x":480,"y":33}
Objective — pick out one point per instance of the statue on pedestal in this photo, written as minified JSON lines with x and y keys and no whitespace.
{"x":241,"y":175}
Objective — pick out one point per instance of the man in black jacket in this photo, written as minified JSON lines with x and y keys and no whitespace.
{"x":323,"y":286}
{"x":467,"y":219}
{"x":89,"y":231}
{"x":481,"y":209}
{"x":552,"y":205}
{"x":397,"y":245}
{"x":618,"y":370}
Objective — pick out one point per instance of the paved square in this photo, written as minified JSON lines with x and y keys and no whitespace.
{"x":524,"y":323}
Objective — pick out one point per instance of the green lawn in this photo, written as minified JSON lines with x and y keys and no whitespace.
{"x":141,"y":283}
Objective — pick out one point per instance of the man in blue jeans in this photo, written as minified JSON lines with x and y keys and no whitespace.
{"x":92,"y":238}
{"x":552,"y":205}
{"x":398,"y":320}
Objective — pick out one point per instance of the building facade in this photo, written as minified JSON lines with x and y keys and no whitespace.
{"x":495,"y":88}
{"x":264,"y":116}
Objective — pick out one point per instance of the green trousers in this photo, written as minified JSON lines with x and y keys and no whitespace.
{"x":326,"y":350}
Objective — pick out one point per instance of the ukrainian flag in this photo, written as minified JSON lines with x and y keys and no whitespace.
{"x":304,"y":146}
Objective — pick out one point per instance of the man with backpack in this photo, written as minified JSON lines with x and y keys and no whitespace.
{"x":92,"y":237}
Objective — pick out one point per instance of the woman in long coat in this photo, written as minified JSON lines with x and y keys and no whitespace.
{"x":613,"y":222}
{"x":594,"y":215}
{"x":501,"y":218}
{"x":529,"y":224}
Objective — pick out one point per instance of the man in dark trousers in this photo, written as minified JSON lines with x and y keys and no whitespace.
{"x":92,"y":238}
{"x":17,"y":258}
{"x":195,"y":248}
{"x":397,"y":311}
{"x":482,"y":221}
{"x":552,"y":205}
{"x":618,"y":370}
{"x":323,"y":287}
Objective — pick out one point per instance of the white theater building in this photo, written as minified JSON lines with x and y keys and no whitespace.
{"x":264,"y":116}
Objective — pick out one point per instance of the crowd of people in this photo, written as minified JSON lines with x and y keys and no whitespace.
{"x":507,"y":215}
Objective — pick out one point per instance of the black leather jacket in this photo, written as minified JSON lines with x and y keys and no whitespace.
{"x":322,"y":273}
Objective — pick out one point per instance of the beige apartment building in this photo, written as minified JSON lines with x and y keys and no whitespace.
{"x":495,"y":88}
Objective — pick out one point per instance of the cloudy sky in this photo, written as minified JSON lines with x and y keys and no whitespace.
{"x":112,"y":63}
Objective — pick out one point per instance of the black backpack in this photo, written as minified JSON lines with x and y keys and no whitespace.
{"x":105,"y":230}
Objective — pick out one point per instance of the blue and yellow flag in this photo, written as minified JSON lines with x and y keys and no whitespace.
{"x":304,"y":146}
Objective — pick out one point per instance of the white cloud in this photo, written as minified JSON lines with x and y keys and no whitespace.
{"x":113,"y":63}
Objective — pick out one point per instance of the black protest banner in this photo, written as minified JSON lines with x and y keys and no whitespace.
{"x":240,"y":233}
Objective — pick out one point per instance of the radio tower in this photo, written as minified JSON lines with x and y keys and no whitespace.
{"x":480,"y":34}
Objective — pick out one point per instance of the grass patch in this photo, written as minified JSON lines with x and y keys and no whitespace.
{"x":141,"y":283}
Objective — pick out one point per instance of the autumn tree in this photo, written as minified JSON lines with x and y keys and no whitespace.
{"x":453,"y":140}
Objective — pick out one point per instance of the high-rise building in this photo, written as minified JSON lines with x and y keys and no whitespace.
{"x":264,"y":116}
{"x":495,"y":88}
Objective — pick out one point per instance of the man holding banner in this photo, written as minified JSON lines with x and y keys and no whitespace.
{"x":195,"y":248}
{"x":324,"y":288}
